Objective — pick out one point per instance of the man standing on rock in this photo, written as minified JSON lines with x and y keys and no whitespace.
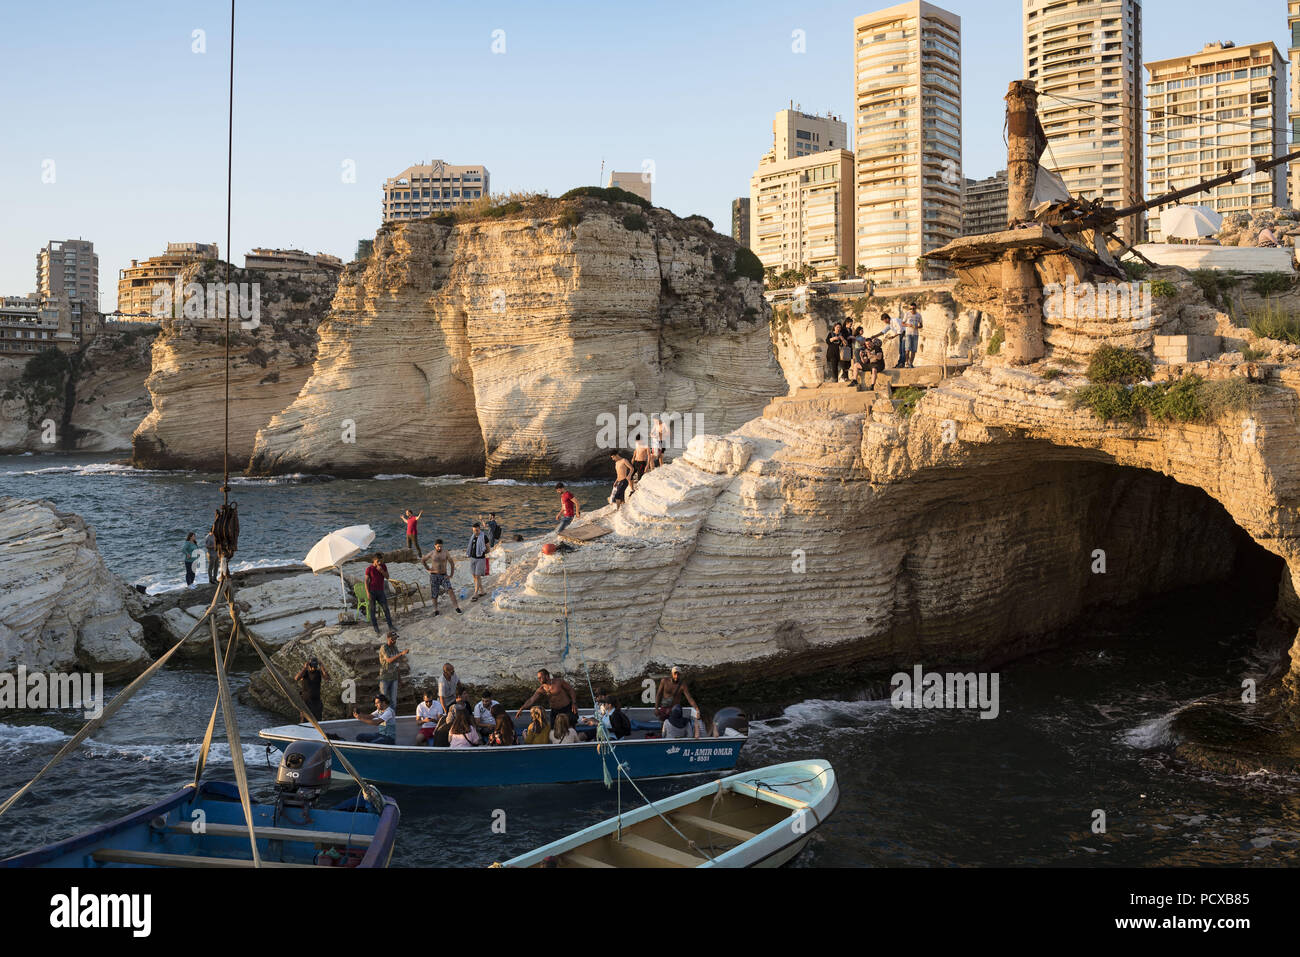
{"x":412,"y":530}
{"x":622,"y":478}
{"x":569,"y":509}
{"x":441,"y":566}
{"x":912,"y":334}
{"x":210,"y":553}
{"x":479,"y":543}
{"x":389,"y":666}
{"x":376,"y":579}
{"x":494,"y":529}
{"x":310,"y":677}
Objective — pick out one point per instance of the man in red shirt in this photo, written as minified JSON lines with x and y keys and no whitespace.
{"x":412,"y":530}
{"x":376,"y":578}
{"x":569,"y":508}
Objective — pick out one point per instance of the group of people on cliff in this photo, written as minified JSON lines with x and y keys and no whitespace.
{"x":850,"y":352}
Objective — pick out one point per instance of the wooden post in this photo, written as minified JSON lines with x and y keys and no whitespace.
{"x":1022,"y":149}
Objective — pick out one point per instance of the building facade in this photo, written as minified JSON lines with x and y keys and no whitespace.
{"x":740,"y":220}
{"x":291,"y":261}
{"x":795,"y":133}
{"x":1213,"y":113}
{"x":32,"y":324}
{"x":432,"y":188}
{"x":1085,"y":57}
{"x":907,"y":136}
{"x":1293,"y":53}
{"x":801,"y":213}
{"x":985,"y":208}
{"x":69,"y":269}
{"x":136,"y":284}
{"x":638,"y":183}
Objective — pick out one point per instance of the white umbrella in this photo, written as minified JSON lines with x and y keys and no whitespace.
{"x":1190,"y":222}
{"x":336,"y":548}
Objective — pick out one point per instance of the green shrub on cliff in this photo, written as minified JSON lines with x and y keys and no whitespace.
{"x":1213,"y":284}
{"x":1115,"y":366}
{"x":996,"y":340}
{"x":611,"y":194}
{"x":748,"y":265}
{"x":906,"y":400}
{"x":635,"y":222}
{"x":1272,"y":323}
{"x":1270,"y":283}
{"x":1163,"y":289}
{"x":1187,"y":399}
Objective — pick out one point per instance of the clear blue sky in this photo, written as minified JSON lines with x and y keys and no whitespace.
{"x":135,"y":122}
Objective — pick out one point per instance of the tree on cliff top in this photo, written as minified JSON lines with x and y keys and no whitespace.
{"x":611,"y":194}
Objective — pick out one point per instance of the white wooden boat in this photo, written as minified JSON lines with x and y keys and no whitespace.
{"x":761,"y":818}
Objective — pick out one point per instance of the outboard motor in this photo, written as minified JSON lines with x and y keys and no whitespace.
{"x":730,"y":723}
{"x":303,"y":775}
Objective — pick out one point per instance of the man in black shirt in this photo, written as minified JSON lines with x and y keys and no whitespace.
{"x":310,"y":677}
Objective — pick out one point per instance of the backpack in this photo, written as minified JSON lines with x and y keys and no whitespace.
{"x":620,"y":724}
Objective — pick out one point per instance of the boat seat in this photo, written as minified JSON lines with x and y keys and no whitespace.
{"x":582,"y":860}
{"x":714,"y":827}
{"x":666,"y":854}
{"x":155,"y":859}
{"x":279,"y":834}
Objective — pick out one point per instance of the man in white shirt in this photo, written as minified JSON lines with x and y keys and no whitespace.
{"x":483,"y":719}
{"x":382,"y":716}
{"x":447,"y":684}
{"x":912,"y":334}
{"x":429,"y":711}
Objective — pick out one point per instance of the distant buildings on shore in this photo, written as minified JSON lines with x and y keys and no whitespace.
{"x":740,"y":220}
{"x":291,"y":261}
{"x":984,"y":208}
{"x":136,"y":293}
{"x":431,"y":188}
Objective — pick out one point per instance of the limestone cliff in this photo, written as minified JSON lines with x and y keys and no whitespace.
{"x":499,"y":344}
{"x":89,"y":401}
{"x":270,"y":358}
{"x":61,"y":608}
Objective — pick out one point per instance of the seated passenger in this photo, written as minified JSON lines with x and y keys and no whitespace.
{"x":677,"y":725}
{"x":462,"y":733}
{"x":538,"y":731}
{"x":428,"y":711}
{"x":616,"y":722}
{"x":503,"y":733}
{"x":484,"y":721}
{"x":382,"y":716}
{"x":562,"y":733}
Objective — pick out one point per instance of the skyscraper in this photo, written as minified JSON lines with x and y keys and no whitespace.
{"x":907,"y":131}
{"x":1085,"y":56}
{"x":69,"y":269}
{"x":740,"y":220}
{"x":1293,"y":176}
{"x":1212,"y":113}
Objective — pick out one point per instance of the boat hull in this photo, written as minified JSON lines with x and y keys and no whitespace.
{"x":426,"y":766}
{"x":172,"y":828}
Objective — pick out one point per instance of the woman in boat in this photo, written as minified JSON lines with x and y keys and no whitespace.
{"x":504,"y":732}
{"x":677,"y":725}
{"x":562,"y":733}
{"x":462,"y":734}
{"x":538,"y":731}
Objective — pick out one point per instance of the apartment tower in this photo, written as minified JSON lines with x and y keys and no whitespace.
{"x":907,"y":132}
{"x":1213,"y":113}
{"x":1293,"y":109}
{"x":1084,"y":56}
{"x":432,"y":188}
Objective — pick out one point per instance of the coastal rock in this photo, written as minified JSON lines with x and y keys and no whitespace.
{"x":62,"y":609}
{"x":526,"y":345}
{"x":271,"y":355}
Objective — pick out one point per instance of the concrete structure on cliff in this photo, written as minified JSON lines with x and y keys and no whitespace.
{"x":1085,"y":57}
{"x":32,"y":324}
{"x":907,"y":139}
{"x":291,"y":261}
{"x":639,"y":184}
{"x":1213,"y":112}
{"x":430,"y":188}
{"x":138,"y":284}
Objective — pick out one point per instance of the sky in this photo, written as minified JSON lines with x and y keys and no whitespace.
{"x":114,"y":114}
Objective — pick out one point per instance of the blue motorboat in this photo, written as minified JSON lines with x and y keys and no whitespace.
{"x":643,"y":754}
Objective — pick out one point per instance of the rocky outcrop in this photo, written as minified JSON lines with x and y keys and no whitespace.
{"x":61,"y":608}
{"x":1243,"y":229}
{"x":271,"y":353}
{"x":505,"y":344}
{"x":89,"y":401}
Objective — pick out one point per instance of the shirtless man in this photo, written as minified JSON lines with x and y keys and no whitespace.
{"x":640,"y":459}
{"x":440,"y":566}
{"x":559,"y":694}
{"x":672,"y":691}
{"x":622,"y":478}
{"x":658,"y":442}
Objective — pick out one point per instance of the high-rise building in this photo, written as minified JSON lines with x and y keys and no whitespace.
{"x":432,"y":188}
{"x":1213,"y":113}
{"x":740,"y":220}
{"x":985,"y":207}
{"x":69,"y":269}
{"x":638,"y":183}
{"x":795,"y":133}
{"x":138,"y":285}
{"x":907,"y":136}
{"x":1293,"y":175}
{"x":801,"y":213}
{"x":1085,"y":57}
